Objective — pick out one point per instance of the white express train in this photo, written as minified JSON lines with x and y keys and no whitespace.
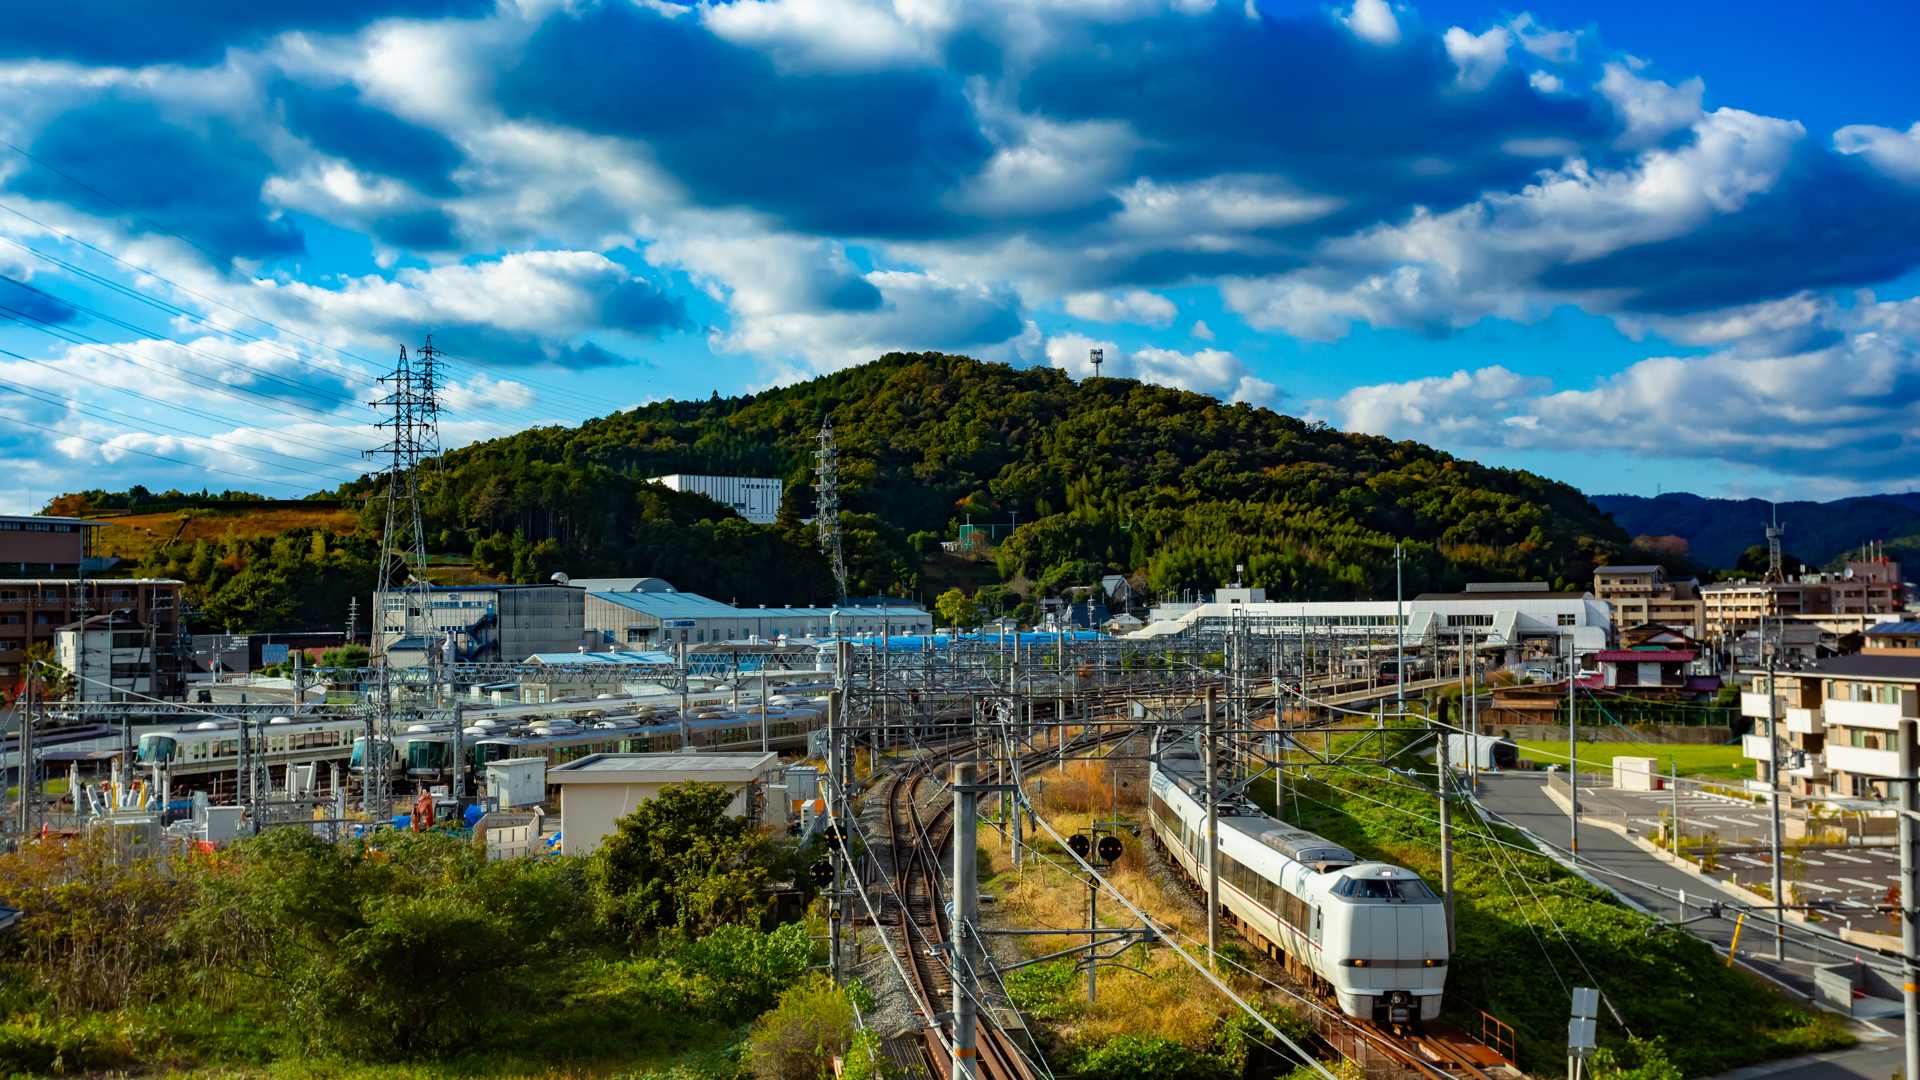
{"x":1372,"y":932}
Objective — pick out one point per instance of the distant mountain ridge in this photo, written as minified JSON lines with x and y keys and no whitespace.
{"x":1718,"y":530}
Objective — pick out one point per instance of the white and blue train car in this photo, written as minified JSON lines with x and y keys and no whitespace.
{"x":1372,"y":932}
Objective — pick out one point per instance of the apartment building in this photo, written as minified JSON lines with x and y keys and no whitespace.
{"x":1840,"y":716}
{"x":56,"y":547}
{"x":1645,"y":594}
{"x":33,"y":610}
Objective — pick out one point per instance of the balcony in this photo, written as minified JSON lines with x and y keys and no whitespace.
{"x":1813,"y":769}
{"x":1755,"y":705}
{"x":1806,"y":721}
{"x":1867,"y":714}
{"x":1758,"y":747}
{"x":1861,"y":762}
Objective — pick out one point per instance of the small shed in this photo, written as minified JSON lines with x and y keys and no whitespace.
{"x":517,"y":782}
{"x":1637,"y":774}
{"x":597,"y":791}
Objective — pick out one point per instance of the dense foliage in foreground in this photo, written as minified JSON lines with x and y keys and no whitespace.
{"x":285,"y":950}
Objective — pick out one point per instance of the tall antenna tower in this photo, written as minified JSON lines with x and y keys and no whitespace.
{"x":827,"y":505}
{"x":1775,"y":572}
{"x":412,"y":409}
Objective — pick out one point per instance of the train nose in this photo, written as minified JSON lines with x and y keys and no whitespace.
{"x":1394,"y":1007}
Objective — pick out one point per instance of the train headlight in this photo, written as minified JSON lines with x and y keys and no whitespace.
{"x":1436,"y":963}
{"x":1358,"y":963}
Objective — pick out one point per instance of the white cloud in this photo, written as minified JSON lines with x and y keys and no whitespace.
{"x":1138,"y":306}
{"x":1553,"y":46}
{"x":1202,"y":331}
{"x":1479,"y":58}
{"x":1896,"y":153}
{"x":1372,"y":21}
{"x":840,"y":36}
{"x":1546,"y":82}
{"x":1208,"y":371}
{"x":1488,"y":258}
{"x":1842,"y":409}
{"x":1648,"y":108}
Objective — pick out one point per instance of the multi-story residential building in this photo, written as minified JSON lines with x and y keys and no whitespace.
{"x":55,"y":547}
{"x":32,"y":611}
{"x":1735,"y":607}
{"x":1645,"y":594}
{"x":1840,"y":715}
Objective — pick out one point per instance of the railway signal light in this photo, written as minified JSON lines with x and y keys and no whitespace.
{"x":833,"y":834}
{"x":822,"y":872}
{"x":1080,"y":844}
{"x":1109,"y":848}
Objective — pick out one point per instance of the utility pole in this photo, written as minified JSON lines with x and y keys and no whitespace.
{"x":1910,"y":885}
{"x":458,"y":784}
{"x":966,"y":905}
{"x":836,"y":724}
{"x":1773,"y":783}
{"x":1399,"y":637}
{"x":1443,"y":736}
{"x":827,"y":505}
{"x":1213,"y":835}
{"x":1573,"y":752}
{"x":763,"y":703}
{"x":353,"y":619}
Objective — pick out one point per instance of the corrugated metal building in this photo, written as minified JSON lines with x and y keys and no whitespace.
{"x":756,"y":498}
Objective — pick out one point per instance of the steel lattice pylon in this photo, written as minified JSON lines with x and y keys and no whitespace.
{"x":827,"y":506}
{"x":412,"y":409}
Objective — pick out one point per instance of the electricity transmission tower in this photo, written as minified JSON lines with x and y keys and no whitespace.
{"x":1775,"y":572}
{"x":827,"y":506}
{"x":412,"y":416}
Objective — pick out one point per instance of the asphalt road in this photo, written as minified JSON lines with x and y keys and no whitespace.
{"x":1520,"y":800}
{"x":1851,"y":879}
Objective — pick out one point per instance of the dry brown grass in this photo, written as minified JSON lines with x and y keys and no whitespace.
{"x":132,"y":536}
{"x":1167,"y":996}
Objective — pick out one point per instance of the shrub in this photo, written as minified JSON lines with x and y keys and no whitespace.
{"x":1127,"y":1057}
{"x":798,"y":1039}
{"x":679,"y":861}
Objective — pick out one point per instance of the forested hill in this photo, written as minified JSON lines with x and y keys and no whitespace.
{"x":1103,"y":476}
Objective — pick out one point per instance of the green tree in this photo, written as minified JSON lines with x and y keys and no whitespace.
{"x":956,"y":608}
{"x":679,"y":861}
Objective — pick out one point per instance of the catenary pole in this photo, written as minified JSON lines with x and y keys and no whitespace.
{"x":1445,"y":776}
{"x":1909,"y":745}
{"x":966,"y":904}
{"x":1399,"y":637}
{"x":1213,"y":835}
{"x":1773,"y":783}
{"x":1573,"y":752}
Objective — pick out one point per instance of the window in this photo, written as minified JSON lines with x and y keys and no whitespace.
{"x":9,"y":620}
{"x":1567,"y":620}
{"x":1864,"y":740}
{"x":634,"y":635}
{"x":45,"y":620}
{"x":9,"y":596}
{"x":9,"y":646}
{"x":699,"y":635}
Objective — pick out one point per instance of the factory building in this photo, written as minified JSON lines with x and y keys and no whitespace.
{"x":647,"y":613}
{"x":487,"y":623}
{"x":756,"y":498}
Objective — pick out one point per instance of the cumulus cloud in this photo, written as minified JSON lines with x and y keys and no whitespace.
{"x":1896,"y":153}
{"x":1138,"y":306}
{"x":1848,"y":408}
{"x":1208,"y":371}
{"x":1479,"y":58}
{"x":1373,"y":21}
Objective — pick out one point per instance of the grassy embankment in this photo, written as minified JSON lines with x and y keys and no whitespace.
{"x":1527,"y":931}
{"x":131,"y":537}
{"x":1711,"y":762}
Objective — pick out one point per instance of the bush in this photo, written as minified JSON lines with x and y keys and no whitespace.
{"x":679,"y":861}
{"x":799,"y":1039}
{"x":1127,"y":1057}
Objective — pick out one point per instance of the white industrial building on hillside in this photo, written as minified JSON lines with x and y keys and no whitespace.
{"x":756,"y":498}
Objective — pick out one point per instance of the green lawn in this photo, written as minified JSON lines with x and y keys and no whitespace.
{"x":1719,"y":762}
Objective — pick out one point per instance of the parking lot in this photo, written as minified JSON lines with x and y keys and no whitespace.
{"x":1850,"y":879}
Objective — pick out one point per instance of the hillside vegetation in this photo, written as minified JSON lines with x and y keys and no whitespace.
{"x":1101,"y":476}
{"x":1081,"y":479}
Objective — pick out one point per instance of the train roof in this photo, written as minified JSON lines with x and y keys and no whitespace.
{"x":223,"y":723}
{"x":1183,"y":766}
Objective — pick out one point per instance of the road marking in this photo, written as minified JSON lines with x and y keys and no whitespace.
{"x":1754,"y":861}
{"x":1811,"y":862}
{"x":1647,"y":821}
{"x":1810,"y":885}
{"x":1736,"y":821}
{"x":1884,"y":855}
{"x":1862,"y":884}
{"x":1848,"y":858}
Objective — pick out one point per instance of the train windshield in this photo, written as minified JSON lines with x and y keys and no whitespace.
{"x":155,"y":748}
{"x":1410,"y":888}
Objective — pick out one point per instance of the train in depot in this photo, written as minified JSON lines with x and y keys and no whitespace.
{"x":207,"y":754}
{"x":1371,"y":934}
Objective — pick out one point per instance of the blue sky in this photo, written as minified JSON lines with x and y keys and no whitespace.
{"x":1634,"y":246}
